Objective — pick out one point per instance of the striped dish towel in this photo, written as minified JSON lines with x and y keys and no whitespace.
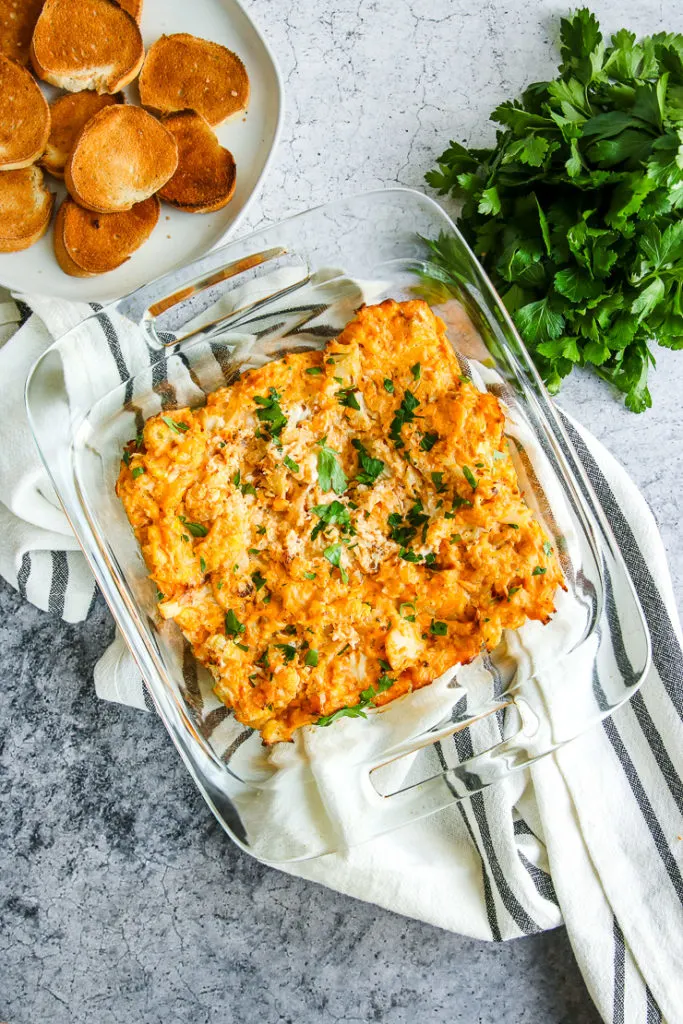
{"x":590,"y":836}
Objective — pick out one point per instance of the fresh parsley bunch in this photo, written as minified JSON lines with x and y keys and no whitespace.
{"x":575,"y":213}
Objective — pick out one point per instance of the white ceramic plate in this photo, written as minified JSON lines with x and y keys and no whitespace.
{"x":178,"y":237}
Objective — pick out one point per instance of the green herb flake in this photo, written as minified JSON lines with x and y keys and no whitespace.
{"x":311,"y":658}
{"x":416,"y":371}
{"x":258,"y":580}
{"x":408,"y":615}
{"x":539,"y":571}
{"x":314,"y":371}
{"x":261,"y":530}
{"x":333,"y":556}
{"x":470,"y":477}
{"x":438,"y":628}
{"x":347,"y":398}
{"x":428,"y":441}
{"x":196,"y":529}
{"x":334,"y":514}
{"x":202,"y":564}
{"x":270,"y":413}
{"x":404,"y":414}
{"x":437,"y":480}
{"x":137,"y":471}
{"x":310,"y":575}
{"x":177,"y":426}
{"x":370,"y":468}
{"x":513,"y":526}
{"x":331,"y":476}
{"x":389,"y":385}
{"x":288,"y":652}
{"x":233,"y":626}
{"x":291,"y":464}
{"x":242,"y":647}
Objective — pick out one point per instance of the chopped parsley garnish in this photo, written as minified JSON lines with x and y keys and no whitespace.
{"x":344,"y":649}
{"x":258,"y":580}
{"x":416,"y":371}
{"x":289,"y":630}
{"x":233,"y":626}
{"x":370,"y":468}
{"x":202,"y":565}
{"x":347,"y":397}
{"x":367,"y":698}
{"x":404,"y":414}
{"x":331,"y":476}
{"x":408,"y":555}
{"x":455,"y":538}
{"x":126,"y":457}
{"x":410,"y":615}
{"x":428,"y":441}
{"x":513,"y":526}
{"x":261,"y":530}
{"x":430,"y":560}
{"x":248,"y":489}
{"x":512,"y":590}
{"x":438,"y":628}
{"x":271,"y":414}
{"x":311,"y":658}
{"x":291,"y":464}
{"x":470,"y":477}
{"x":539,"y":571}
{"x":333,"y":556}
{"x":314,"y":371}
{"x":137,"y":471}
{"x":437,"y":480}
{"x":389,"y":385}
{"x":288,"y":652}
{"x":548,"y":548}
{"x":310,"y":575}
{"x":242,"y":647}
{"x":459,"y":502}
{"x":196,"y":529}
{"x":236,"y":478}
{"x":177,"y":426}
{"x":334,"y":514}
{"x":160,"y":596}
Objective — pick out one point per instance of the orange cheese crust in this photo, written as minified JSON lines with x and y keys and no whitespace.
{"x":301,"y":607}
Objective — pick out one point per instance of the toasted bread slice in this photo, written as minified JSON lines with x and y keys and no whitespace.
{"x":205,"y":178}
{"x":24,"y":117}
{"x":17,"y":21}
{"x":25,"y":208}
{"x":134,"y":8}
{"x":86,"y":44}
{"x":89,"y":243}
{"x":69,"y":114}
{"x":183,"y":72}
{"x":122,"y":156}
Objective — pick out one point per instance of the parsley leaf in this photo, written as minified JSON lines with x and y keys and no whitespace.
{"x":347,"y":397}
{"x":177,"y":426}
{"x":137,"y":471}
{"x":331,"y":476}
{"x":428,"y":441}
{"x":291,"y":464}
{"x":333,"y":556}
{"x":389,"y":385}
{"x":370,"y":468}
{"x":404,"y":414}
{"x":270,"y":413}
{"x":311,"y":658}
{"x":367,"y":699}
{"x":575,"y":210}
{"x":334,"y":514}
{"x":233,"y":626}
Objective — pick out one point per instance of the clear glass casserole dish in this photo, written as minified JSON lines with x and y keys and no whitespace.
{"x":293,"y":286}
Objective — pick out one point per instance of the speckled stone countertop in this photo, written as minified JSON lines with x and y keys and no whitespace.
{"x":121,"y":901}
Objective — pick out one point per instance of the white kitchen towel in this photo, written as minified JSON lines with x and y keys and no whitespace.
{"x":590,"y":835}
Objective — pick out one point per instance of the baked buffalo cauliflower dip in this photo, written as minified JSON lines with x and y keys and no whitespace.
{"x":339,"y":527}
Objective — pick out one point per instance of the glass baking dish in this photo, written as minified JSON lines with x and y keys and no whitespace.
{"x":293,"y":286}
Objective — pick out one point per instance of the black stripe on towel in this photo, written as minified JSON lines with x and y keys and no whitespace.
{"x":24,"y":573}
{"x":25,"y":312}
{"x":58,"y":583}
{"x":115,"y":349}
{"x":489,"y":901}
{"x":643,"y":802}
{"x":654,"y":1014}
{"x":465,"y":750}
{"x":666,"y":651}
{"x":543,"y":883}
{"x":619,"y":975}
{"x":656,"y":744}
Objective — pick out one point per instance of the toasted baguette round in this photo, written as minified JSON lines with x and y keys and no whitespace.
{"x":17,"y":21}
{"x":134,"y":8}
{"x":86,"y":44}
{"x":183,"y":72}
{"x":205,"y":178}
{"x":24,"y":117}
{"x":25,"y":208}
{"x":87,"y":244}
{"x":122,"y":156}
{"x":69,"y":114}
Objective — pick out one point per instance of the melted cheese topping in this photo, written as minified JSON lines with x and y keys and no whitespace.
{"x":301,"y":607}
